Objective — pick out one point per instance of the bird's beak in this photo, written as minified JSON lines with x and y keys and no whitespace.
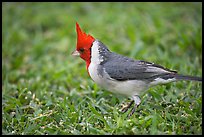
{"x":75,"y":53}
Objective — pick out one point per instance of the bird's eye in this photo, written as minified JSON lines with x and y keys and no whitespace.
{"x":81,"y":50}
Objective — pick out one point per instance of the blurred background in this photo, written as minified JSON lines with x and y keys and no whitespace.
{"x":38,"y":38}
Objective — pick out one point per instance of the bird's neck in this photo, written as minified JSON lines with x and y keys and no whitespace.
{"x":99,"y":52}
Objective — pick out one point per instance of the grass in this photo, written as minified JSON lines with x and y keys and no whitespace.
{"x":47,"y":91}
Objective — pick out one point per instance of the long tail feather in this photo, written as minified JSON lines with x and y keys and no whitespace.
{"x":185,"y":77}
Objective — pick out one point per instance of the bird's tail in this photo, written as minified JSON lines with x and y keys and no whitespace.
{"x":185,"y":77}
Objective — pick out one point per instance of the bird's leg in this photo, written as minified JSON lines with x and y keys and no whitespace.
{"x":137,"y":103}
{"x":132,"y":111}
{"x":124,"y":109}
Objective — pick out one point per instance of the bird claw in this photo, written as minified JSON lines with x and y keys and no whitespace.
{"x":132,"y":111}
{"x":124,"y":109}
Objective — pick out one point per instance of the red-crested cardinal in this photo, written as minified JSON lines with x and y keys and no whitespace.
{"x":120,"y":74}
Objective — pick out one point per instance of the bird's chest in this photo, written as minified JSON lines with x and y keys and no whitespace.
{"x":95,"y":74}
{"x":94,"y":68}
{"x":99,"y":76}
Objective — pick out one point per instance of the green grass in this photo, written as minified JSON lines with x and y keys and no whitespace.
{"x":45,"y":90}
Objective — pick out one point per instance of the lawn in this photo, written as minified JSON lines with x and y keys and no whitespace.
{"x":45,"y":90}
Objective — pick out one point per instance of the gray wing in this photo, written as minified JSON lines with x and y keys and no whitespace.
{"x":123,"y":68}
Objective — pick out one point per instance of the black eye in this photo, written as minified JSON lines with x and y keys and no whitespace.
{"x":81,"y":49}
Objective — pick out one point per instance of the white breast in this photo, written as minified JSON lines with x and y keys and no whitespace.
{"x":95,"y":62}
{"x":129,"y":88}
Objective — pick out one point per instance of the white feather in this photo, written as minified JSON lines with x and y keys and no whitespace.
{"x":155,"y":69}
{"x":161,"y":81}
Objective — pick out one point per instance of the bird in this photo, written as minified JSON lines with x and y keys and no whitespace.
{"x":120,"y":74}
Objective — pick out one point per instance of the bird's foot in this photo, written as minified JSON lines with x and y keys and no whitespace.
{"x":124,"y":109}
{"x":137,"y":101}
{"x":133,"y":110}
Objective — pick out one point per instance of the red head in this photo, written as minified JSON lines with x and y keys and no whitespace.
{"x":84,"y":43}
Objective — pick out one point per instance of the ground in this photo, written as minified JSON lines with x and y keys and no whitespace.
{"x":45,"y":90}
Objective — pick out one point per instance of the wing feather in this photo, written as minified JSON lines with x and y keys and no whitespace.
{"x":123,"y":68}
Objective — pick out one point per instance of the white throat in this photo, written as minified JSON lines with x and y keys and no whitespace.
{"x":95,"y":56}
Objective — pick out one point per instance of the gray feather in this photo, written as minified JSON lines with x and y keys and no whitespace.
{"x":123,"y":68}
